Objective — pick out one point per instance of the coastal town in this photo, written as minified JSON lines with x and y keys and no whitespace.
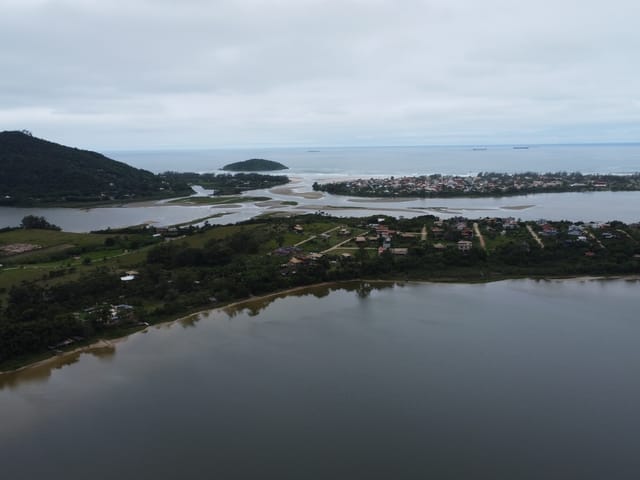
{"x":482,"y":184}
{"x":493,"y":236}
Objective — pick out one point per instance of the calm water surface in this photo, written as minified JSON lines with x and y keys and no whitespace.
{"x":515,"y":380}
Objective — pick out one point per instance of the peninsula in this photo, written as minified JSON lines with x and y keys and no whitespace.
{"x":62,"y":290}
{"x":487,"y":184}
{"x":255,"y":165}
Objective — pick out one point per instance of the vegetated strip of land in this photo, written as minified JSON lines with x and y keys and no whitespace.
{"x":485,"y":184}
{"x":60,"y":290}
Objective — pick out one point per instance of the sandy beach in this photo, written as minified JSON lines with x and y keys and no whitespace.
{"x":289,"y":191}
{"x":383,"y":200}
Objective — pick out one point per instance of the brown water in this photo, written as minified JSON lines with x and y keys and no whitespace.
{"x":515,"y":379}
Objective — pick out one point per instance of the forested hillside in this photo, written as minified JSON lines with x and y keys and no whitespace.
{"x":34,"y":171}
{"x":254,"y":165}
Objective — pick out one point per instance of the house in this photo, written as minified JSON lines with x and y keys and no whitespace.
{"x":464,"y":245}
{"x":460,"y":226}
{"x":548,"y":230}
{"x":361,"y":240}
{"x":575,"y":230}
{"x":437,"y":232}
{"x":510,"y":223}
{"x":399,"y":251}
{"x":467,"y":233}
{"x":298,"y":228}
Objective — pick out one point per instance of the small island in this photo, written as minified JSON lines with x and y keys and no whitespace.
{"x":254,"y":165}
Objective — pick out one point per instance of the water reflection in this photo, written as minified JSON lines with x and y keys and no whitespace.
{"x":42,"y":371}
{"x":105,"y":350}
{"x":192,"y":320}
{"x":361,"y":288}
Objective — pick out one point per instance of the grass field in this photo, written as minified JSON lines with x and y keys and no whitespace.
{"x":76,"y":253}
{"x":50,"y":238}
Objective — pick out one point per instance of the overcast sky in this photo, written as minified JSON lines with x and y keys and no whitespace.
{"x":147,"y":74}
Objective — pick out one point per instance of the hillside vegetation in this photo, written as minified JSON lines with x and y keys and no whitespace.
{"x":255,"y":165}
{"x":36,"y":171}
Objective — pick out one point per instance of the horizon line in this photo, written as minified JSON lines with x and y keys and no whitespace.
{"x":525,"y":146}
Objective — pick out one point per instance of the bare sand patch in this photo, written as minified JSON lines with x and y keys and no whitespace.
{"x":383,"y":200}
{"x":276,"y":204}
{"x":290,"y":192}
{"x":17,"y":248}
{"x":516,"y":207}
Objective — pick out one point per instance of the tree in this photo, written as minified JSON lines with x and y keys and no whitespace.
{"x":33,"y":221}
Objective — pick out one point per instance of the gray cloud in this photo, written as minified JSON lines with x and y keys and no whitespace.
{"x":150,"y":73}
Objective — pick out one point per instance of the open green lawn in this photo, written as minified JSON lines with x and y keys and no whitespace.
{"x":495,"y":239}
{"x":50,"y":238}
{"x":76,"y":253}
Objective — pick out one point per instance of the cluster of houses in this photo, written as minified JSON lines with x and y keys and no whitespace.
{"x":296,"y":258}
{"x":483,"y":183}
{"x":578,"y":231}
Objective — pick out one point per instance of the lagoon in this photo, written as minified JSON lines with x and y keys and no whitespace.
{"x":513,"y":379}
{"x":588,"y":206}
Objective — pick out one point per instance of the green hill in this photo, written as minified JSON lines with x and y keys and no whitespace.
{"x":254,"y":165}
{"x":35,"y":171}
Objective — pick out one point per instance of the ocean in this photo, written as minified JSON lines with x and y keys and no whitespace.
{"x":418,"y":160}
